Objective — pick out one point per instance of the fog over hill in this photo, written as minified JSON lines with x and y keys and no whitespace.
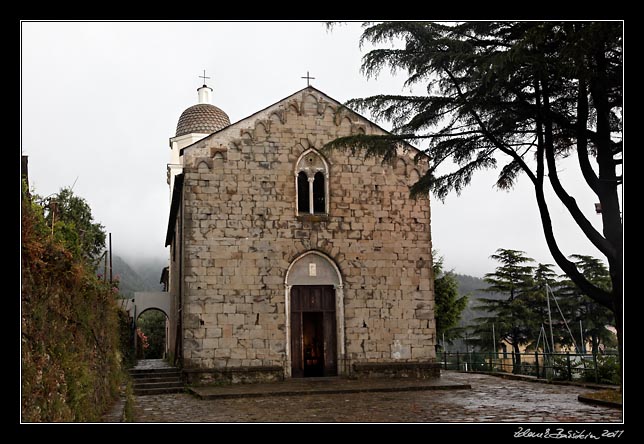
{"x":134,"y":276}
{"x":473,"y":287}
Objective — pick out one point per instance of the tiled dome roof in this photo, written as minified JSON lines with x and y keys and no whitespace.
{"x":202,"y":118}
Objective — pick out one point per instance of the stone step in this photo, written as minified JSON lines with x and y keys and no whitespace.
{"x":172,"y":378}
{"x":158,"y":391}
{"x":156,"y":380}
{"x":156,"y":375}
{"x":152,"y":371}
{"x":152,"y":385}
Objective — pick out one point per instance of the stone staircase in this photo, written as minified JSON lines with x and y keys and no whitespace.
{"x":155,"y":377}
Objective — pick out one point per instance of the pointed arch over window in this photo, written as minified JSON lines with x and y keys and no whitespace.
{"x":312,"y":183}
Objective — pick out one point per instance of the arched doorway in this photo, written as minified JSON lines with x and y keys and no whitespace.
{"x":152,"y":334}
{"x":315,"y":317}
{"x":144,"y":301}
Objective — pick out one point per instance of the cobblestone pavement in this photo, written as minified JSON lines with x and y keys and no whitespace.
{"x":491,"y":399}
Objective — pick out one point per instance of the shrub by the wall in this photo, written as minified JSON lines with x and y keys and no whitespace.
{"x":70,"y":343}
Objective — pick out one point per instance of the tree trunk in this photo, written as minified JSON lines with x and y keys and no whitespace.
{"x":607,"y":190}
{"x":517,"y":361}
{"x":618,"y":300}
{"x":594,"y":343}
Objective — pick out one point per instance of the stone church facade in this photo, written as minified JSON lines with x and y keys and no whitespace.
{"x":286,"y":261}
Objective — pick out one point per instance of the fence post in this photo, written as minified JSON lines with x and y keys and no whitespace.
{"x":547,"y":365}
{"x":568,"y":366}
{"x":445,"y":359}
{"x":536,"y":362}
{"x":595,"y":365}
{"x":458,"y":363}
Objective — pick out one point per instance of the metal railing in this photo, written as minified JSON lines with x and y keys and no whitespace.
{"x":598,"y":368}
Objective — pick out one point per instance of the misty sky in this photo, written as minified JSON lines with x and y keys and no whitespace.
{"x":100,"y":101}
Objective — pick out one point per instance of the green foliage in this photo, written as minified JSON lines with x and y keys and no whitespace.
{"x":518,"y":318}
{"x":74,"y":225}
{"x":128,"y":409}
{"x":517,"y":96}
{"x":448,"y":305}
{"x":481,"y":98}
{"x":544,"y":277}
{"x":512,"y":277}
{"x":381,"y":146}
{"x":608,"y":370}
{"x":579,"y":307}
{"x":511,"y":318}
{"x":152,"y":324}
{"x":126,"y":339}
{"x":560,"y":369}
{"x":71,"y":367}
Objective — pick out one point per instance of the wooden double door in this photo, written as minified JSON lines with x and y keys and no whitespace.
{"x":313,"y":331}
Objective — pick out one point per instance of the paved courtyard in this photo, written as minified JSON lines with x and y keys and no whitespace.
{"x":491,"y":399}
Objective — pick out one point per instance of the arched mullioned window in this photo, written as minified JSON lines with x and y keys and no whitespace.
{"x":319,"y":198}
{"x":312,"y":184}
{"x":302,"y":198}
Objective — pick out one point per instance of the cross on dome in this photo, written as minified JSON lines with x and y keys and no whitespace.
{"x":204,"y":77}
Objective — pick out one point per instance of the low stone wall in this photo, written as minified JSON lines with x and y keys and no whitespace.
{"x":237,"y":375}
{"x":421,"y":370}
{"x":246,"y":375}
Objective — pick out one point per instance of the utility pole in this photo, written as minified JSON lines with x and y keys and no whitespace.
{"x":110,"y":235}
{"x":53,"y":208}
{"x":552,"y":338}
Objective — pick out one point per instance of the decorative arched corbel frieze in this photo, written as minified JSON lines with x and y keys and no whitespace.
{"x":358,"y":128}
{"x":280,"y":113}
{"x":203,"y":160}
{"x":322,"y":106}
{"x":296,"y":106}
{"x":339,"y":114}
{"x":220,"y":150}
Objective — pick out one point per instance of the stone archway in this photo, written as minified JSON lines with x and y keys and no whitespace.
{"x":314,"y":302}
{"x":153,"y":323}
{"x":144,"y":300}
{"x":150,"y":300}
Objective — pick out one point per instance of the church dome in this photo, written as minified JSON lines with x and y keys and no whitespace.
{"x":202,"y":118}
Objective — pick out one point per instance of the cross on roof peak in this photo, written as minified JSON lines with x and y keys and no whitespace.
{"x":307,"y":77}
{"x":204,"y":77}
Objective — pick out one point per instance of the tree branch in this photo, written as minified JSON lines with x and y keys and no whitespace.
{"x":570,"y":203}
{"x":567,"y":266}
{"x":564,"y":122}
{"x":487,"y":133}
{"x":611,"y":216}
{"x":597,"y":294}
{"x":582,"y":141}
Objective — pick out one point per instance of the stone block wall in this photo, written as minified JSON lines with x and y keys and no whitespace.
{"x":241,"y":232}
